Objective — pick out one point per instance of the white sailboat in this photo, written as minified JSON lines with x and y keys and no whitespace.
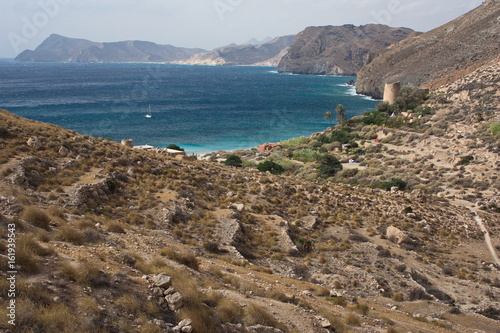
{"x":148,"y":114}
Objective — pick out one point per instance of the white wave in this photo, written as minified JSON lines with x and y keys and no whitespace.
{"x":351,"y":91}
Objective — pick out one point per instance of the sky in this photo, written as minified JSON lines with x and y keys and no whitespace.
{"x":206,"y":24}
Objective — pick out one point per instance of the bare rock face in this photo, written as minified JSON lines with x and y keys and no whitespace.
{"x":34,"y":143}
{"x":437,"y":57}
{"x":338,"y":50}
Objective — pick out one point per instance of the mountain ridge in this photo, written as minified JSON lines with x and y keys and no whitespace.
{"x":439,"y":56}
{"x":58,"y":48}
{"x":338,"y":50}
{"x":268,"y":53}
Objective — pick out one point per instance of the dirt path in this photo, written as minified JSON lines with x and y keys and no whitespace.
{"x":487,"y":238}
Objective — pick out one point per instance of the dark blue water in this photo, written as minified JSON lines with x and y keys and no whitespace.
{"x":201,"y":108}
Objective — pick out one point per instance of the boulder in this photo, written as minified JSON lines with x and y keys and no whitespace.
{"x":63,"y":150}
{"x":175,"y":301}
{"x":34,"y":143}
{"x":309,"y":222}
{"x":129,"y":143}
{"x":161,"y":280}
{"x":396,"y":235}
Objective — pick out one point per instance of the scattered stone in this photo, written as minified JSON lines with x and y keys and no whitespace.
{"x":238,"y":207}
{"x":34,"y":143}
{"x":309,"y":222}
{"x":175,"y":301}
{"x":161,"y":280}
{"x":185,"y":322}
{"x":63,"y":150}
{"x":263,"y":329}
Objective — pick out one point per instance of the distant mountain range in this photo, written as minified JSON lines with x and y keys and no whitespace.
{"x":439,"y":56}
{"x":338,"y":50}
{"x":58,"y":48}
{"x":267,"y":53}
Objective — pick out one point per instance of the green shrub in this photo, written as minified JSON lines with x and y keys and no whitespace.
{"x":270,"y":166}
{"x":328,"y":166}
{"x":495,"y":128}
{"x":292,"y":143}
{"x":394,"y":182}
{"x":233,"y":160}
{"x":175,"y":147}
{"x":307,"y":155}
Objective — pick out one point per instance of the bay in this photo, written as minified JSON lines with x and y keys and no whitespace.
{"x":200,"y":108}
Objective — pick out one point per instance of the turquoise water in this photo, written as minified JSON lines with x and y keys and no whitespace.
{"x":200,"y":108}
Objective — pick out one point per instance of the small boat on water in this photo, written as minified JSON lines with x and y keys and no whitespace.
{"x":148,"y":114}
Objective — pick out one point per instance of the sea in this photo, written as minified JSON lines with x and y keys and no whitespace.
{"x":200,"y":108}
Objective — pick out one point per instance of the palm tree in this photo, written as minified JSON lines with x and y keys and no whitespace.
{"x":328,"y":116}
{"x":340,"y":110}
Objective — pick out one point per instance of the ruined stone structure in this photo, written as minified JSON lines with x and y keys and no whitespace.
{"x":391,"y":91}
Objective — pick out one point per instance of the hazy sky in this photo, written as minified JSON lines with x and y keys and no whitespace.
{"x":207,"y":24}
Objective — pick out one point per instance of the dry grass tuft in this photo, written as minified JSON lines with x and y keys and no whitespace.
{"x":352,"y":319}
{"x":257,"y":315}
{"x":36,"y":217}
{"x":114,"y":226}
{"x":185,"y":258}
{"x":71,"y":235}
{"x":229,"y":311}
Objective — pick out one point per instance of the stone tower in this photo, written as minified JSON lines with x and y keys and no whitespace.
{"x":391,"y":91}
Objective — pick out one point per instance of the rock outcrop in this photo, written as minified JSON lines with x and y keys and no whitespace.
{"x":439,"y":56}
{"x":58,"y":48}
{"x":338,"y":50}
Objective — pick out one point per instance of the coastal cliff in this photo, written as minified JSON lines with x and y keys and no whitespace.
{"x":57,"y":48}
{"x":338,"y":50}
{"x":439,"y":56}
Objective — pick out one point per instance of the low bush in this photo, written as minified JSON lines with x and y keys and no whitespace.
{"x":229,"y":311}
{"x":72,"y":235}
{"x":394,"y":182}
{"x":36,"y":217}
{"x":257,"y":315}
{"x":185,"y":258}
{"x":270,"y":166}
{"x":234,"y":160}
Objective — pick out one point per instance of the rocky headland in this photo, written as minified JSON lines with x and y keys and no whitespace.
{"x":439,"y":56}
{"x":57,"y":48}
{"x":338,"y":50}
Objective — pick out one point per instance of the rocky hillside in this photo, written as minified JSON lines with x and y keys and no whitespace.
{"x":58,"y":48}
{"x":112,"y":239}
{"x":338,"y":50}
{"x":269,"y":54}
{"x":438,"y":56}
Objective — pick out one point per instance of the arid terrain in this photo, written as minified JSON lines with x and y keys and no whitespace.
{"x":113,"y":239}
